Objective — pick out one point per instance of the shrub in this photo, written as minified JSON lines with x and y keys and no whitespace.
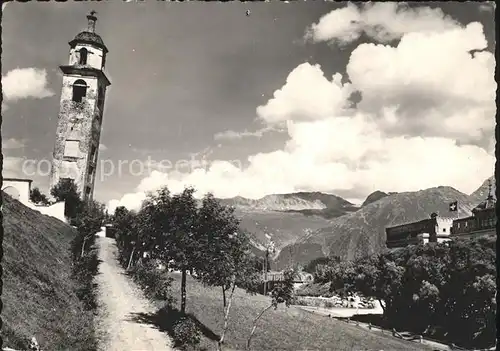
{"x":186,"y":333}
{"x":329,"y":304}
{"x":448,"y":288}
{"x":155,"y":283}
{"x":300,"y":302}
{"x":37,"y":197}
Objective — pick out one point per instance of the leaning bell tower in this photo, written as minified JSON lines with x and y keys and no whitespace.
{"x":81,"y":110}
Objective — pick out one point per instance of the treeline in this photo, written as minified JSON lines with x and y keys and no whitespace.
{"x":444,"y":290}
{"x":203,"y":240}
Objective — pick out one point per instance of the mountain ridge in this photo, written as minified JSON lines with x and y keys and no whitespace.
{"x":290,"y":202}
{"x":307,"y":225}
{"x":362,"y":232}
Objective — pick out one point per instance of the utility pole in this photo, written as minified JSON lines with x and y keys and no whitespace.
{"x":265,"y":271}
{"x":269,"y":248}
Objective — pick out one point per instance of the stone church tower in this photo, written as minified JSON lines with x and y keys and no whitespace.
{"x":81,"y":111}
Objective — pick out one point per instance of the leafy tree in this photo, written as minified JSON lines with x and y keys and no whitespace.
{"x":37,"y":197}
{"x":323,"y":261}
{"x":170,"y":231}
{"x":342,"y":277}
{"x":281,"y":293}
{"x":183,"y":247}
{"x":448,"y":288}
{"x":88,"y":222}
{"x":66,"y":190}
{"x":125,"y":223}
{"x":224,"y":257}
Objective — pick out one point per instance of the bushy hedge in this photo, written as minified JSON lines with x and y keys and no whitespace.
{"x":186,"y":333}
{"x":446,"y":290}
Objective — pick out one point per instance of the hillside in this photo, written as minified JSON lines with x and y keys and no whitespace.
{"x":363,"y":232}
{"x":284,"y":228}
{"x":481,"y":193}
{"x":281,"y":329}
{"x":38,"y":294}
{"x":375,"y":196}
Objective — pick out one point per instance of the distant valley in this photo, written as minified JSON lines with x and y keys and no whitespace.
{"x":287,"y":217}
{"x":307,"y":225}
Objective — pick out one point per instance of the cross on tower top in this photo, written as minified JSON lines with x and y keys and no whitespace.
{"x":91,"y":21}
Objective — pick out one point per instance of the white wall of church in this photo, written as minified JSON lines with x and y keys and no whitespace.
{"x":56,"y":210}
{"x":94,"y":57}
{"x":23,"y":188}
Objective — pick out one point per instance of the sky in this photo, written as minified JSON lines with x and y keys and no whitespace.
{"x":251,"y":99}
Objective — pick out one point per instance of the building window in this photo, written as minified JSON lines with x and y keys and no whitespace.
{"x":90,"y":178}
{"x":87,"y":190}
{"x":444,"y":230}
{"x":71,"y":148}
{"x":92,"y":154}
{"x":79,"y":90}
{"x":100,"y":99}
{"x":83,"y":56}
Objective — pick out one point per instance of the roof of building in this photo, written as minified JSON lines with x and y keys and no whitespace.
{"x":89,"y":38}
{"x":489,"y":203}
{"x":18,"y":180}
{"x":486,"y":204}
{"x":443,"y":218}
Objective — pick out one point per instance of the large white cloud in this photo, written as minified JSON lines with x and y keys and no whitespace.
{"x":425,"y":116}
{"x":323,"y":97}
{"x":432,"y":80}
{"x":381,"y":21}
{"x":21,"y":83}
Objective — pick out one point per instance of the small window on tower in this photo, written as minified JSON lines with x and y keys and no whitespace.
{"x":71,"y":148}
{"x":83,"y":56}
{"x":79,"y":90}
{"x":100,"y":98}
{"x":92,"y":154}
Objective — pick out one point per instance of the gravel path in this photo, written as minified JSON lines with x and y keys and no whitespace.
{"x":120,"y":300}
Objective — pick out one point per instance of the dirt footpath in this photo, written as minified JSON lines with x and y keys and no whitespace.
{"x":120,"y":301}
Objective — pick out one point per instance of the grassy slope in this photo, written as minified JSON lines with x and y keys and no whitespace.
{"x":283,"y":329}
{"x":38,"y":292}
